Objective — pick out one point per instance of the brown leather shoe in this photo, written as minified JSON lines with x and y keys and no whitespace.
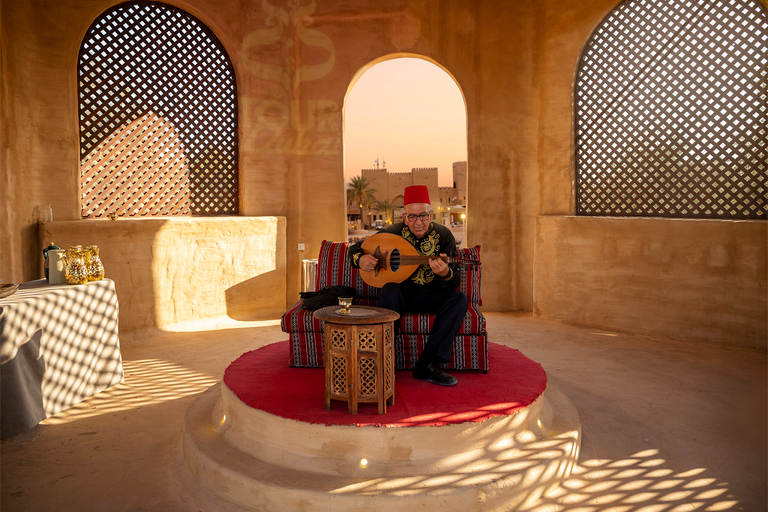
{"x":435,"y":375}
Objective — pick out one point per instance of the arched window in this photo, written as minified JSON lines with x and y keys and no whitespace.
{"x":158,"y":115}
{"x":670,"y":111}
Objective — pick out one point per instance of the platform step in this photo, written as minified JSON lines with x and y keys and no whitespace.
{"x":515,"y":469}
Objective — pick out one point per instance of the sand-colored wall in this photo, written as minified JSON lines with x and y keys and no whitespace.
{"x":514,"y":61}
{"x":178,"y":273}
{"x":688,"y":279}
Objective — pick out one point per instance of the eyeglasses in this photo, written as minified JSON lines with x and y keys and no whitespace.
{"x":412,"y":216}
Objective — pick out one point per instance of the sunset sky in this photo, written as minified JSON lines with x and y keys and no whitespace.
{"x":408,"y":113}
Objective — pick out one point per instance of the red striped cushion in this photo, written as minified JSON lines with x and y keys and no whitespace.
{"x":421,"y":323}
{"x":470,"y":351}
{"x":470,"y":274}
{"x":298,"y":319}
{"x":335,"y":269}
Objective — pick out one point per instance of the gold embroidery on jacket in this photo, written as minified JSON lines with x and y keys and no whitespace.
{"x":406,"y":233}
{"x":429,"y":246}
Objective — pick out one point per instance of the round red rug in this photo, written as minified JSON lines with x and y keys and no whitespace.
{"x":263,"y":380}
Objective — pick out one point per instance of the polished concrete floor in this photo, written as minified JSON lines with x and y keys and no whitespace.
{"x":667,"y":425}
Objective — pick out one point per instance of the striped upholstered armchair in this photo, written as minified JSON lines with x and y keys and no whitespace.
{"x":470,"y":350}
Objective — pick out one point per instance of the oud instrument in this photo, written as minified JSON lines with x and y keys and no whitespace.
{"x":397,"y":259}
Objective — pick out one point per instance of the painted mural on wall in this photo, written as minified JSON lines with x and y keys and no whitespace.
{"x":292,"y":51}
{"x":284,"y":122}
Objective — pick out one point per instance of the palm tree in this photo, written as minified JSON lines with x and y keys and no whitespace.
{"x":358,"y":193}
{"x":386,"y":207}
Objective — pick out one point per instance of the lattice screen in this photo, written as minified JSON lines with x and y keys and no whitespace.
{"x":158,"y":116}
{"x":671,"y":109}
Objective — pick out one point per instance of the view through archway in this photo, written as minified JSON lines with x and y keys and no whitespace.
{"x":405,"y":123}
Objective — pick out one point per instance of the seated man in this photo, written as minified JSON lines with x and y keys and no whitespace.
{"x":430,"y":289}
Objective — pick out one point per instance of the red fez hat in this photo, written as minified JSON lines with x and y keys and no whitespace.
{"x":416,"y":194}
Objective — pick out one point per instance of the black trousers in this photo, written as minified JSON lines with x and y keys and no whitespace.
{"x":449,"y":307}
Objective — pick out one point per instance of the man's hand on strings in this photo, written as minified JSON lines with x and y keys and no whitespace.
{"x":439,"y":267}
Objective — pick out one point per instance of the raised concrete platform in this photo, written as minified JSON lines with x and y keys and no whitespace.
{"x":268,"y":463}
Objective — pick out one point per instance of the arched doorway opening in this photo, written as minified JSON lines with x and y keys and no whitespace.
{"x":405,"y":123}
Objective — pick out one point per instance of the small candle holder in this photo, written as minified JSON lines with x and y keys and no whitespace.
{"x":345,"y":302}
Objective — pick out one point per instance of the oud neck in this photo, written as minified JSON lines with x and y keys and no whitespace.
{"x":419,"y":259}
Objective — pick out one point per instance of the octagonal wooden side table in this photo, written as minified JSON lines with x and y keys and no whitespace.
{"x":359,"y":352}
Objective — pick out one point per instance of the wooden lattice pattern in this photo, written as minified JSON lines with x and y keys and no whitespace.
{"x":671,"y":111}
{"x":367,"y":376}
{"x":366,"y":340}
{"x":388,"y":362}
{"x":158,"y":116}
{"x":338,"y":339}
{"x":339,"y":378}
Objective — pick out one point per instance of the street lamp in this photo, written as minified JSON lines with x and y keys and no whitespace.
{"x":464,"y":229}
